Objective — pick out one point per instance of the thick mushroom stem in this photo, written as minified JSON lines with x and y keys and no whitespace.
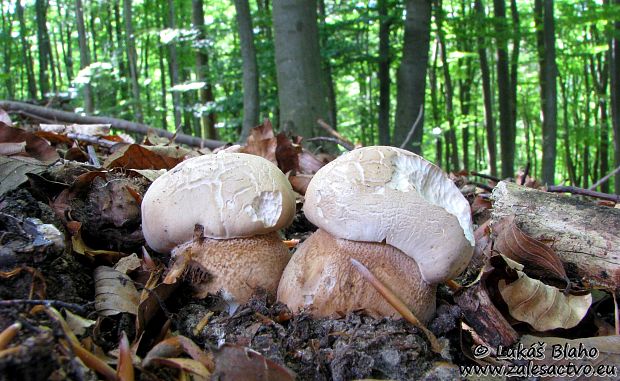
{"x":235,"y":267}
{"x":320,"y":278}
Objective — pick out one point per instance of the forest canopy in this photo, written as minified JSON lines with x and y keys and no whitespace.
{"x":491,"y":86}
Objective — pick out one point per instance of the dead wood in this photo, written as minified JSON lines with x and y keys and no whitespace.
{"x":585,"y":236}
{"x":59,"y":116}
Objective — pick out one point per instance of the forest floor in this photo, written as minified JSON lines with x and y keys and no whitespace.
{"x":82,"y":299}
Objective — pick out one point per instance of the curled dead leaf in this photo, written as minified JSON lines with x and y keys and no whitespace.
{"x":234,"y":362}
{"x":539,"y":259}
{"x":542,"y":306}
{"x":36,"y":147}
{"x":136,"y":156}
{"x":114,"y":292}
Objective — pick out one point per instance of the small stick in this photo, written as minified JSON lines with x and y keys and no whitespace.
{"x":8,"y":334}
{"x":91,"y":139}
{"x":604,"y":179}
{"x":413,"y":127}
{"x":583,"y":192}
{"x":525,"y":174}
{"x":398,"y":304}
{"x":486,"y":187}
{"x":92,"y":156}
{"x":346,"y":145}
{"x":45,"y":302}
{"x":488,"y":177}
{"x":330,"y":130}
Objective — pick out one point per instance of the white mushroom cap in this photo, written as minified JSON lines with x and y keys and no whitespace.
{"x":387,"y":194}
{"x":231,"y":195}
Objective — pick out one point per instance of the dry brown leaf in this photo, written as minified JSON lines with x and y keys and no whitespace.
{"x":78,"y":324}
{"x":128,"y":264}
{"x":199,"y":371}
{"x":602,"y":352}
{"x":149,"y":174}
{"x":54,"y":138}
{"x":234,"y":362}
{"x":153,"y":294}
{"x":309,"y":163}
{"x":124,"y":368}
{"x":542,"y":306}
{"x":10,"y":149}
{"x":114,"y":292}
{"x":300,"y":183}
{"x":36,"y":147}
{"x":80,"y":247}
{"x":174,"y":347}
{"x":287,"y":153}
{"x":262,"y":142}
{"x":136,"y":156}
{"x":5,"y":118}
{"x":539,"y":259}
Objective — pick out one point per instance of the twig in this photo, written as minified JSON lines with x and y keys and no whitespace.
{"x":92,"y":156}
{"x":484,"y":176}
{"x":604,"y":179}
{"x":525,"y":174}
{"x":398,"y":304}
{"x":91,"y":139}
{"x":414,"y":127}
{"x":346,"y":145}
{"x":45,"y":302}
{"x":583,"y":192}
{"x":330,"y":130}
{"x":486,"y":187}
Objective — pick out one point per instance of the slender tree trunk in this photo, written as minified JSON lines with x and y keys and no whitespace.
{"x":487,"y":94}
{"x":435,"y":106}
{"x":84,"y":54}
{"x":514,"y":67}
{"x":448,"y":90}
{"x":202,"y":70}
{"x":120,"y":50}
{"x":614,"y":67}
{"x":332,"y":109}
{"x":26,"y":55}
{"x":65,"y":40}
{"x":507,"y":139}
{"x":250,"y":68}
{"x":43,"y":46}
{"x":173,"y":65}
{"x":5,"y":35}
{"x":130,"y":43}
{"x":600,"y":76}
{"x":301,"y":87}
{"x":93,"y":28}
{"x":548,"y":87}
{"x":385,"y":22}
{"x":411,"y":79}
{"x":570,"y":166}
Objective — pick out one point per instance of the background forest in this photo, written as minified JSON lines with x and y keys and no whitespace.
{"x":479,"y":85}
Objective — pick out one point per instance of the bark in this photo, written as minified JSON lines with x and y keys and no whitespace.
{"x":448,"y":91}
{"x":173,"y":67}
{"x":5,"y":34}
{"x":435,"y":107}
{"x":301,"y":90}
{"x":26,"y":55}
{"x":162,"y":70}
{"x":588,"y":242}
{"x":514,"y":63}
{"x":65,"y":38}
{"x":43,"y":46}
{"x":411,"y":78}
{"x":568,"y":160}
{"x":548,"y":88}
{"x":250,"y":69}
{"x":507,"y":138}
{"x":120,"y":49}
{"x":84,"y":54}
{"x":130,"y":44}
{"x":57,"y":116}
{"x":614,"y":67}
{"x":600,"y":78}
{"x":384,"y":72}
{"x":487,"y":95}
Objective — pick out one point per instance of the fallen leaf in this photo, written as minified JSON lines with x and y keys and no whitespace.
{"x":287,"y":153}
{"x":149,"y":174}
{"x":13,"y":171}
{"x":136,"y":156}
{"x":128,"y":264}
{"x":309,"y":163}
{"x":542,"y":306}
{"x":36,"y":147}
{"x":300,"y":183}
{"x":539,"y":259}
{"x":78,"y":324}
{"x":262,"y":142}
{"x":124,"y":368}
{"x":80,"y":247}
{"x":189,"y":365}
{"x":114,"y":292}
{"x":174,"y":347}
{"x":234,"y":362}
{"x":10,"y":149}
{"x":5,"y":118}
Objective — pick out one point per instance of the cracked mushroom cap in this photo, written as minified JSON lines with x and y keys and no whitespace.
{"x":387,"y":194}
{"x":231,"y":195}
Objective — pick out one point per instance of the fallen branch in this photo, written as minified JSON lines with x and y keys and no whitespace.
{"x":347,"y":143}
{"x":604,"y":179}
{"x":583,"y":192}
{"x":56,"y":116}
{"x":484,"y":176}
{"x":414,"y":127}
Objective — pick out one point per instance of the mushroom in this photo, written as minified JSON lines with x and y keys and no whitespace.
{"x":394,"y":212}
{"x":218,"y":216}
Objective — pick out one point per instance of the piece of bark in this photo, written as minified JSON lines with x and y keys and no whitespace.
{"x":585,"y":236}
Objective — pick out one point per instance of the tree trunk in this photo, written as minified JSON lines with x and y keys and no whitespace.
{"x":600,"y":76}
{"x":507,"y":139}
{"x":5,"y":35}
{"x":332,"y":109}
{"x":84,"y":54}
{"x":448,"y":90}
{"x":173,"y":66}
{"x":301,"y":89}
{"x":120,"y":50}
{"x":202,"y":71}
{"x":43,"y":46}
{"x":26,"y":55}
{"x":614,"y":67}
{"x":65,"y":40}
{"x":250,"y":69}
{"x":548,"y":88}
{"x":487,"y":95}
{"x":130,"y":44}
{"x":570,"y":166}
{"x":436,"y":118}
{"x":385,"y":22}
{"x":411,"y":78}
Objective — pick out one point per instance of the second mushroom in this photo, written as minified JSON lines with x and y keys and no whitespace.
{"x":394,"y":212}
